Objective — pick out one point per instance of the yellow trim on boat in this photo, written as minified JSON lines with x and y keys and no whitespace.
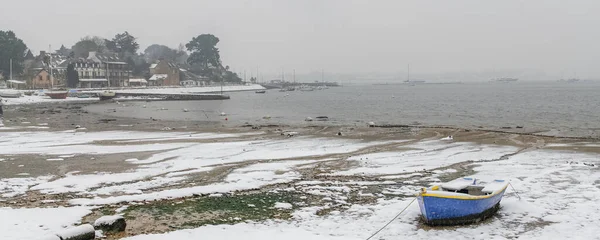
{"x":467,"y":197}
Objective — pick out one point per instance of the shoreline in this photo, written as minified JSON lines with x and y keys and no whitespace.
{"x":75,"y":111}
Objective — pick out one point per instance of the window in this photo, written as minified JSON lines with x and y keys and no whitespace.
{"x":40,"y":78}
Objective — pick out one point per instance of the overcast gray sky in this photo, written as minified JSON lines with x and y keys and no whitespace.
{"x":344,"y":36}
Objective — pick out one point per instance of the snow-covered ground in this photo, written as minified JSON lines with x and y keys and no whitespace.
{"x":558,"y":190}
{"x":35,"y":223}
{"x":43,"y":99}
{"x":558,"y":202}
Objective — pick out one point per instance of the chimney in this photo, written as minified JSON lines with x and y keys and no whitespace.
{"x":92,"y":55}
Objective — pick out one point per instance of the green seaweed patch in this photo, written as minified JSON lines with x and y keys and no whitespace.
{"x":225,"y":209}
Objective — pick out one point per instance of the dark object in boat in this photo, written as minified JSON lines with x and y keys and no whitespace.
{"x":322,"y":118}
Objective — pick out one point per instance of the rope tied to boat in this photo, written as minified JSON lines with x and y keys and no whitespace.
{"x":397,"y":215}
{"x":513,"y":188}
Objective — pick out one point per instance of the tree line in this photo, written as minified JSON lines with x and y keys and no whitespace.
{"x":200,"y":55}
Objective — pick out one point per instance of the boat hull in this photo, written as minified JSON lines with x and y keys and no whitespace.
{"x":104,"y":98}
{"x":57,"y":95}
{"x":6,"y":95}
{"x":453,"y":211}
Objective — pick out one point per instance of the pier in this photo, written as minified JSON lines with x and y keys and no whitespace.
{"x":174,"y":96}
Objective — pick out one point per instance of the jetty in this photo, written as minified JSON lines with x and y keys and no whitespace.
{"x":172,"y":96}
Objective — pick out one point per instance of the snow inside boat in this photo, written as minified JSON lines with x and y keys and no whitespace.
{"x":460,"y":201}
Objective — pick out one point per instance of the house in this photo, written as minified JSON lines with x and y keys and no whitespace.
{"x":164,"y":73}
{"x":118,"y":70}
{"x":39,"y":69}
{"x":189,"y":79}
{"x":41,"y":80}
{"x":100,"y":70}
{"x":138,"y":82}
{"x":91,"y":74}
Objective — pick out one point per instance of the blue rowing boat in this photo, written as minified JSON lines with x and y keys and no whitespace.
{"x":460,"y":201}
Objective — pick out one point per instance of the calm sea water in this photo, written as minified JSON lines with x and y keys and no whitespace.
{"x":564,"y":108}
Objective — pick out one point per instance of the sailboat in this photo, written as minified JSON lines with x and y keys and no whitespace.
{"x":412,"y":82}
{"x":55,"y":93}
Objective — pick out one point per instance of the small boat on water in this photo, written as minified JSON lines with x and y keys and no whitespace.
{"x":106,"y":95}
{"x":460,"y":201}
{"x":261,"y":91}
{"x":57,"y":94}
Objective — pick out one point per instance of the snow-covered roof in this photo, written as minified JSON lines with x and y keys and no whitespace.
{"x":138,"y":80}
{"x":158,"y":77}
{"x":153,"y":65}
{"x":93,"y":80}
{"x":16,"y":81}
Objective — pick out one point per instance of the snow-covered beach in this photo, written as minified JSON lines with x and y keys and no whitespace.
{"x":314,"y":185}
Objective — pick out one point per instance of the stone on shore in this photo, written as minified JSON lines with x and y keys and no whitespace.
{"x":114,"y":223}
{"x":82,"y":232}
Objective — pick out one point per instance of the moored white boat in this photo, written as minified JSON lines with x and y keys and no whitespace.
{"x":107,"y":95}
{"x":10,"y":93}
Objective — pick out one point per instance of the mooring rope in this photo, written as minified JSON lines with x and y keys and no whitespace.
{"x":398,"y":215}
{"x":514,"y":190}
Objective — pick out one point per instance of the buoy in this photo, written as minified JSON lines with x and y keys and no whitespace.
{"x":226,"y":119}
{"x":185,"y":110}
{"x":144,"y":106}
{"x":223,"y":114}
{"x":371,"y":124}
{"x":308,"y":119}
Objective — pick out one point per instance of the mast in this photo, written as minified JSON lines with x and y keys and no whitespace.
{"x":50,"y":66}
{"x":294,"y":75}
{"x":107,"y":79}
{"x":408,"y":73}
{"x":322,"y":75}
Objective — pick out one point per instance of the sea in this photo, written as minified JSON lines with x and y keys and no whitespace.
{"x":553,"y":108}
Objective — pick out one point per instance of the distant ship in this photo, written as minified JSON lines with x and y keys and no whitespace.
{"x":505,"y":79}
{"x":573,"y":80}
